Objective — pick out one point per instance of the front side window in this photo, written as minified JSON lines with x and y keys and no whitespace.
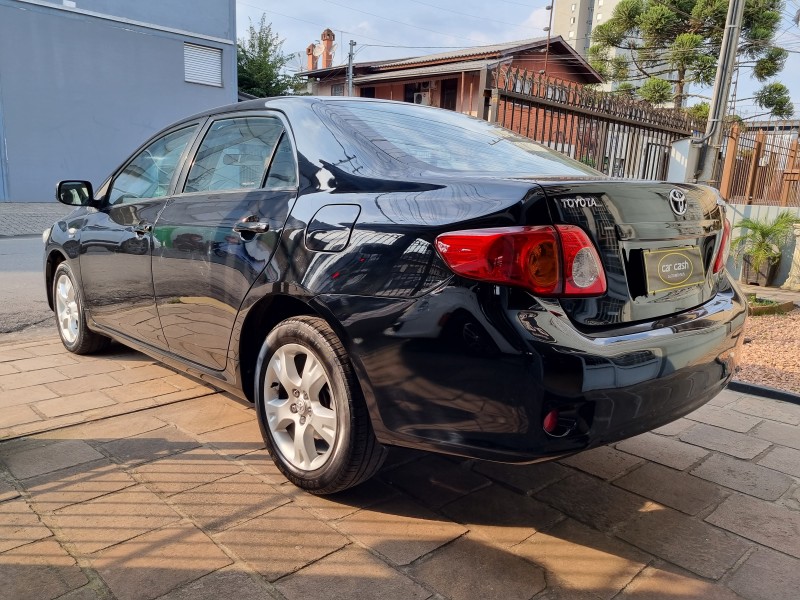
{"x":150,"y":173}
{"x":234,"y":154}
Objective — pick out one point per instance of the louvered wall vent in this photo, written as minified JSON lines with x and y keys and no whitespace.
{"x":202,"y":64}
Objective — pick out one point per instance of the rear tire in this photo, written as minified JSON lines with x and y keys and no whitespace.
{"x":312,"y":415}
{"x":71,"y":317}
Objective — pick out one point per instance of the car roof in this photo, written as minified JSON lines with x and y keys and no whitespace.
{"x":280,"y":101}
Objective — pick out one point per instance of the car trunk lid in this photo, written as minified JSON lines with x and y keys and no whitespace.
{"x":657,"y":243}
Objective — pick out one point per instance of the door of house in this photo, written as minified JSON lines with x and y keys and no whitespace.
{"x":449,"y":93}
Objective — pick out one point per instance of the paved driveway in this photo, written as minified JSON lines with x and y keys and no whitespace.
{"x":142,"y":483}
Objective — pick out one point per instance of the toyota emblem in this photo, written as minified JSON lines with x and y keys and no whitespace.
{"x":677,"y":201}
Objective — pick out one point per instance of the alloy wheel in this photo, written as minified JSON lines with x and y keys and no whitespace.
{"x":67,"y":311}
{"x":299,"y":406}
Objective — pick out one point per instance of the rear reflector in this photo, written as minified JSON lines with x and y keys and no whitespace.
{"x":550,"y":421}
{"x":724,"y":246}
{"x":548,"y":261}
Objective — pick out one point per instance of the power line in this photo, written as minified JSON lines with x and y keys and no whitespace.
{"x":518,"y":4}
{"x":377,"y":16}
{"x":480,"y":18}
{"x":418,"y":47}
{"x":411,"y":25}
{"x":275,"y":12}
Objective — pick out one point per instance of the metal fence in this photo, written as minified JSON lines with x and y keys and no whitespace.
{"x":761,"y":165}
{"x":619,"y":136}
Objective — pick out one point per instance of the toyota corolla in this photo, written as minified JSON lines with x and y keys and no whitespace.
{"x":374,"y":273}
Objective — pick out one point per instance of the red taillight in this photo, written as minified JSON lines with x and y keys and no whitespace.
{"x":548,"y":261}
{"x":524,"y":256}
{"x":724,"y":246}
{"x":583,"y":271}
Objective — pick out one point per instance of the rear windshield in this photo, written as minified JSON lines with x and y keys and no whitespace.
{"x":442,"y":140}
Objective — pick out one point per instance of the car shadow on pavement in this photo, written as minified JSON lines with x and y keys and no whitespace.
{"x":183,"y":496}
{"x":141,"y":505}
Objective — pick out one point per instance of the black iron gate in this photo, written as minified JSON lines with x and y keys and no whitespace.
{"x":621,"y":137}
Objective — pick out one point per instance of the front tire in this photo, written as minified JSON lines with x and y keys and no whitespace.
{"x":312,"y":415}
{"x":71,"y":317}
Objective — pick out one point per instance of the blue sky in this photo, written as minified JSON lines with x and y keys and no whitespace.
{"x":412,"y":27}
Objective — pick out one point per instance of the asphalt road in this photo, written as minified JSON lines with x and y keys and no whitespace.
{"x":23,"y":299}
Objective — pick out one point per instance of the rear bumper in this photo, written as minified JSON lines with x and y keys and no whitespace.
{"x":478,"y":380}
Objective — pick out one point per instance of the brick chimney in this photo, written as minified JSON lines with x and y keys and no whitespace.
{"x":311,"y":60}
{"x":327,"y":48}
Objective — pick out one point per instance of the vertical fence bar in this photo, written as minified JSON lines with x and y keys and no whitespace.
{"x":729,"y":163}
{"x":755,"y":159}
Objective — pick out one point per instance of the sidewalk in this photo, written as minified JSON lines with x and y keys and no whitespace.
{"x":134,"y":482}
{"x":29,"y":218}
{"x":771,"y":293}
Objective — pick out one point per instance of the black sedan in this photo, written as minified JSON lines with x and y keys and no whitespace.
{"x":374,"y":273}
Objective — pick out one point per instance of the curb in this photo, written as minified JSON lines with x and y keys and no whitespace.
{"x":779,"y":308}
{"x":764,"y":391}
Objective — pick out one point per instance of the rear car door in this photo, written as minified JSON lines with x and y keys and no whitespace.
{"x":216,"y":237}
{"x":116,"y":240}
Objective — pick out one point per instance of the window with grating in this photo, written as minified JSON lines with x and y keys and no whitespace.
{"x":202,"y":64}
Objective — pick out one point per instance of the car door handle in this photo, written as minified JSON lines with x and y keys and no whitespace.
{"x":251,"y":227}
{"x":142,"y":228}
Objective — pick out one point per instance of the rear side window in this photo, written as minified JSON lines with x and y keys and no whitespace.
{"x":150,"y":172}
{"x":282,"y":171}
{"x":234,"y":154}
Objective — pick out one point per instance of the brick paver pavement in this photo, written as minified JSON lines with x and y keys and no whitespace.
{"x":121,"y":479}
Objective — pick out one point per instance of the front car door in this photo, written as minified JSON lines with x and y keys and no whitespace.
{"x":116,"y":240}
{"x":217,"y":236}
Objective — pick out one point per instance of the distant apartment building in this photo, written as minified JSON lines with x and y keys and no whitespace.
{"x":574,"y":20}
{"x":83,"y":82}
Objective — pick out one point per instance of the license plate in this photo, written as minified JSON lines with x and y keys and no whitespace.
{"x":673,"y":268}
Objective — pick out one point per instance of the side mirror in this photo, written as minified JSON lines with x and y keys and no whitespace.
{"x":74,"y":193}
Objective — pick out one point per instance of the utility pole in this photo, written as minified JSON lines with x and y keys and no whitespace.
{"x":551,"y":8}
{"x":350,"y":68}
{"x":712,"y":140}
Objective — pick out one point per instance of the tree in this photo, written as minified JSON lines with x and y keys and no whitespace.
{"x":261,"y":62}
{"x":661,"y":45}
{"x":775,"y":98}
{"x":699,"y":111}
{"x":625,"y":89}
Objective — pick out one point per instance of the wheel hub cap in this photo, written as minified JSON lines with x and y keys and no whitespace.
{"x":303,"y":408}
